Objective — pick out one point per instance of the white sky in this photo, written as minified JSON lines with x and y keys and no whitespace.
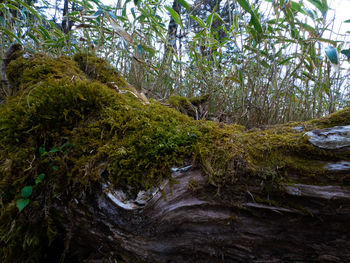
{"x":340,"y":10}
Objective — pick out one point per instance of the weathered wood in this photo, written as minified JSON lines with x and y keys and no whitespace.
{"x":332,"y":138}
{"x":199,"y":225}
{"x":322,"y":192}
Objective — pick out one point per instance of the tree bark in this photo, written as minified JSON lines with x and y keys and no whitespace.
{"x":67,"y":23}
{"x":190,"y":221}
{"x":170,"y":46}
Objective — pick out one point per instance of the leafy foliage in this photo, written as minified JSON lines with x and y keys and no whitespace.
{"x":22,"y":203}
{"x":262,"y":62}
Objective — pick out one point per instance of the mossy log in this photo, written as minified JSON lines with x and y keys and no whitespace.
{"x":93,"y":174}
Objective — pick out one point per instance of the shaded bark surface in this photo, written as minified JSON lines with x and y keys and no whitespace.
{"x":191,"y":221}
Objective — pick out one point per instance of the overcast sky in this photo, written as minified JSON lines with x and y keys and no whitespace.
{"x":340,"y":9}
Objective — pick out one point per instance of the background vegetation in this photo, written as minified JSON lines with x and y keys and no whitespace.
{"x":261,"y":62}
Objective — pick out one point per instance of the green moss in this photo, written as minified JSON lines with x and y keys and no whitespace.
{"x":99,"y":69}
{"x":338,"y":118}
{"x":220,"y":152}
{"x":226,"y":152}
{"x":135,"y":144}
{"x":182,"y":104}
{"x":196,"y":101}
{"x":26,"y":72}
{"x":188,"y":106}
{"x":131,"y":144}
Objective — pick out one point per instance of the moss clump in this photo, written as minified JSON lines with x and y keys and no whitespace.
{"x":26,"y":72}
{"x":134,"y":144}
{"x":182,"y":104}
{"x":99,"y":69}
{"x":189,"y":106}
{"x":139,"y":142}
{"x":220,"y":152}
{"x":276,"y":155}
{"x":197,"y":101}
{"x":338,"y":118}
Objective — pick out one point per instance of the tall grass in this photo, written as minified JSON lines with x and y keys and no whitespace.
{"x":261,"y":63}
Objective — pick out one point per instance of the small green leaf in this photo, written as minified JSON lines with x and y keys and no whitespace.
{"x":10,"y":34}
{"x":174,"y":15}
{"x":184,"y":4}
{"x":332,"y":42}
{"x":200,"y":21}
{"x":112,"y":16}
{"x":245,"y":5}
{"x":139,"y":48}
{"x":346,"y":52}
{"x":210,"y":18}
{"x":33,"y":38}
{"x":322,"y":6}
{"x":44,"y":33}
{"x":317,"y":4}
{"x":298,"y":7}
{"x":256,"y":23}
{"x":240,"y":76}
{"x":26,"y":191}
{"x":22,"y":203}
{"x":132,"y":10}
{"x":98,"y":12}
{"x":30,"y":9}
{"x":39,"y":178}
{"x":326,"y":89}
{"x":332,"y":54}
{"x":55,"y":149}
{"x":2,"y":21}
{"x":285,"y":61}
{"x":64,"y":145}
{"x":254,"y":17}
{"x":12,"y":7}
{"x":265,"y":64}
{"x":42,"y":151}
{"x":220,"y":18}
{"x":55,"y":167}
{"x":74,"y":13}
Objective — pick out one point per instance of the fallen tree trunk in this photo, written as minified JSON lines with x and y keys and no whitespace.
{"x":197,"y":224}
{"x":106,"y":186}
